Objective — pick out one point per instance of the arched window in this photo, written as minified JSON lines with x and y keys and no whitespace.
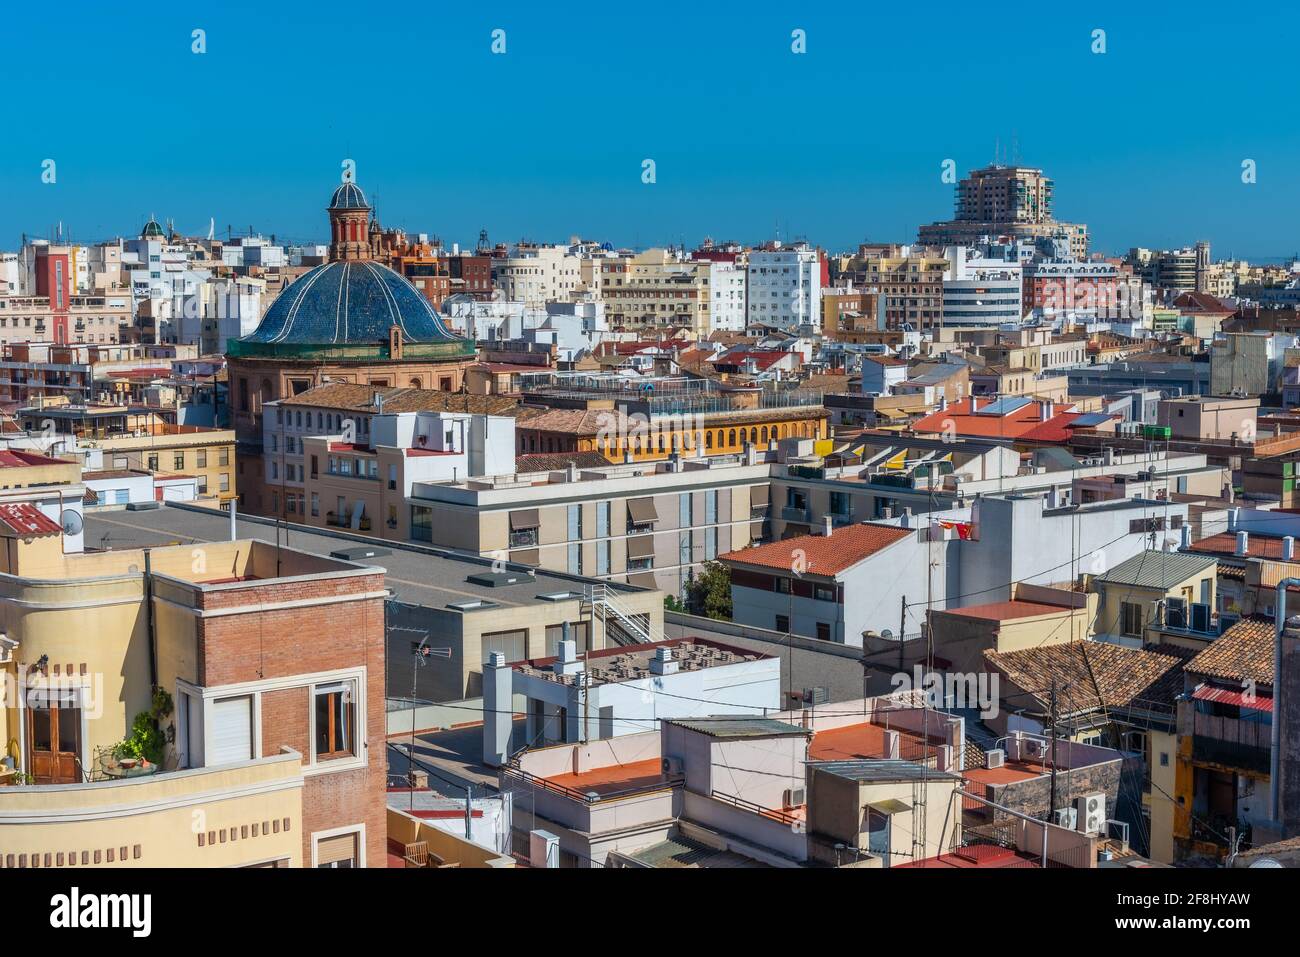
{"x":708,"y":440}
{"x":765,"y":435}
{"x":731,"y":438}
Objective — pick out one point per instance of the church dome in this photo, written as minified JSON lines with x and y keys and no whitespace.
{"x":152,"y":230}
{"x":349,"y":196}
{"x":349,"y":303}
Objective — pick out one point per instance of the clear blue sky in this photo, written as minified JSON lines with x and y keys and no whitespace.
{"x":840,"y":144}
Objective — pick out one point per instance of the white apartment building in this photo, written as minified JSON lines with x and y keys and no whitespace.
{"x":784,"y":287}
{"x":727,"y":287}
{"x":984,"y":292}
{"x":536,"y":275}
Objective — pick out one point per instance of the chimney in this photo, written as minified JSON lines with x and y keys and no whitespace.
{"x":906,"y":518}
{"x":1234,"y":515}
{"x":566,"y":656}
{"x":234,"y":518}
{"x":1108,"y":456}
{"x":1243,"y":544}
{"x":1288,"y":548}
{"x":1186,"y":533}
{"x":828,"y":525}
{"x":1053,"y":497}
{"x":663,"y":662}
{"x":573,"y":472}
{"x":943,"y":758}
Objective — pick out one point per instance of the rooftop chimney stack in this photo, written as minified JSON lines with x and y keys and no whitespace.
{"x":828,"y":525}
{"x":1288,"y":548}
{"x":1186,"y":533}
{"x":663,"y":662}
{"x":1243,"y":544}
{"x":566,"y":656}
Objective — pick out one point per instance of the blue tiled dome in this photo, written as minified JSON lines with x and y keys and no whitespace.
{"x":349,"y":196}
{"x":349,"y":302}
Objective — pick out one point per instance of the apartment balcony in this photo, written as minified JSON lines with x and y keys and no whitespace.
{"x":792,"y":513}
{"x":148,"y":821}
{"x":1231,"y":742}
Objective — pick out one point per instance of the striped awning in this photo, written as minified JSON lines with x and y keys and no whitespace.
{"x":1240,"y":699}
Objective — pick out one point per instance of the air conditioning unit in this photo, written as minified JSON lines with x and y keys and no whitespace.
{"x":1092,"y":813}
{"x":1175,"y":613}
{"x":671,"y":766}
{"x":1200,"y":617}
{"x":795,"y":797}
{"x":994,"y":758}
{"x":1065,"y":817}
{"x":1032,"y":748}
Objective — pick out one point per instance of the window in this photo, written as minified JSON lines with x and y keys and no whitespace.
{"x":223,"y":456}
{"x":783,"y":623}
{"x":231,"y":737}
{"x":315,"y":503}
{"x":335,"y":721}
{"x":152,"y":463}
{"x":201,"y":457}
{"x":824,"y":592}
{"x":1131,"y":615}
{"x":421,"y":524}
{"x":224,"y":482}
{"x":178,"y":461}
{"x":340,"y":850}
{"x":823,"y":631}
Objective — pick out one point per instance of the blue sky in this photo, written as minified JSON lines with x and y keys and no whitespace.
{"x":840,"y":144}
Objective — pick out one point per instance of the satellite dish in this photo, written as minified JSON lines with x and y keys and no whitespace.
{"x":72,"y":523}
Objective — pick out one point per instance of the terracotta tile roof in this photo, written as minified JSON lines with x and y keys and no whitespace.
{"x":1018,"y":423}
{"x":555,"y":461}
{"x":825,"y":555}
{"x":1095,"y":674}
{"x":18,"y":459}
{"x":1006,"y":610}
{"x":1242,"y":653}
{"x":25,"y":520}
{"x":348,"y":395}
{"x":1225,"y":543}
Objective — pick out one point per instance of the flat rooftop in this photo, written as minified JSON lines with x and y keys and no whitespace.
{"x":425,"y":576}
{"x":612,"y":665}
{"x":867,"y":741}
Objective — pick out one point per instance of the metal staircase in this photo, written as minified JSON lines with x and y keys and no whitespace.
{"x":622,"y":626}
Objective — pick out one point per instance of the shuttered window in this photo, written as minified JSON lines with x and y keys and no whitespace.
{"x":337,"y":851}
{"x":232,"y":731}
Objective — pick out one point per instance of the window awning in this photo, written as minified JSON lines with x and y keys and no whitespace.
{"x":642,"y":511}
{"x":1256,"y":702}
{"x":890,"y":806}
{"x":641,"y":546}
{"x":760,"y":495}
{"x":524,"y":519}
{"x":526,"y":556}
{"x":643,"y":580}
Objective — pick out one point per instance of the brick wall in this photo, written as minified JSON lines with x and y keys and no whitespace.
{"x":281,"y":643}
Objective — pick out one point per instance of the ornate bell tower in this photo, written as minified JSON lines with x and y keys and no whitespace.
{"x":349,"y":218}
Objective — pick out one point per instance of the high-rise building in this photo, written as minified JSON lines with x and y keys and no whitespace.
{"x":1012,"y":201}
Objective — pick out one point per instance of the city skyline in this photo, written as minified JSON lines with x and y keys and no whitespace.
{"x":766,"y":140}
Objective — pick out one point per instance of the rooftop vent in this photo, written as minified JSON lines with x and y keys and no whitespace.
{"x":498,"y":579}
{"x":358,"y":553}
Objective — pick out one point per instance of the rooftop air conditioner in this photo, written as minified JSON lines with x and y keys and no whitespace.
{"x":994,"y":758}
{"x":795,"y":797}
{"x":1091,"y":813}
{"x":1065,"y":817}
{"x":672,"y":766}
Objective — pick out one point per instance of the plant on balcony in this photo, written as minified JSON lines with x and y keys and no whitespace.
{"x":147,"y":741}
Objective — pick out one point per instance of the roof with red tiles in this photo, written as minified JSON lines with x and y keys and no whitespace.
{"x":24,"y":520}
{"x":826,"y":555}
{"x":18,"y":459}
{"x":1016,"y":424}
{"x":1225,"y":543}
{"x":1007,"y":610}
{"x":1242,"y":653}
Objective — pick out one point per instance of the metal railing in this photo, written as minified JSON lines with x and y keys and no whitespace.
{"x":637,"y":627}
{"x":775,"y":814}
